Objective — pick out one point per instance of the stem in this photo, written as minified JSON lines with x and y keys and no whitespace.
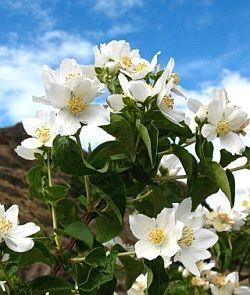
{"x":82,"y":259}
{"x":140,"y":198}
{"x":89,"y":198}
{"x":137,"y":144}
{"x":189,"y":143}
{"x":246,"y":166}
{"x":132,"y":253}
{"x":7,"y":278}
{"x":53,"y":210}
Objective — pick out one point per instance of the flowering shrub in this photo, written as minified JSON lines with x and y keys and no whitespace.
{"x":156,"y":171}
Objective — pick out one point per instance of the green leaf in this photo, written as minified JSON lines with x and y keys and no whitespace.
{"x":203,"y":148}
{"x":80,"y":231}
{"x":68,"y":156}
{"x":215,"y":171}
{"x":102,"y":272}
{"x":57,"y":192}
{"x":188,"y":162}
{"x":36,"y":178}
{"x":231,"y":181}
{"x":133,"y":268}
{"x":122,"y":130}
{"x":226,"y":158}
{"x":52,"y":284}
{"x":144,"y":134}
{"x":32,"y":256}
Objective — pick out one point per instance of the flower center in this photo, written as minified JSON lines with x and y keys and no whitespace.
{"x":176,"y":78}
{"x":140,"y":66}
{"x":5,"y":225}
{"x":43,"y":133}
{"x":168,"y":101}
{"x":246,"y":203}
{"x":71,"y":76}
{"x":187,"y":237}
{"x":222,"y":128}
{"x":76,"y":105}
{"x":196,"y":281}
{"x":224,"y":218}
{"x":219,"y":280}
{"x":126,"y":61}
{"x":156,"y":236}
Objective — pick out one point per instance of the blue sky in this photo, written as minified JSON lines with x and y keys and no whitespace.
{"x":209,"y":40}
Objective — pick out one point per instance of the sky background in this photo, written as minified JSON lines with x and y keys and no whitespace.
{"x":209,"y":40}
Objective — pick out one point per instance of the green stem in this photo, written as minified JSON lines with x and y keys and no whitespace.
{"x":7,"y":278}
{"x":53,"y":209}
{"x":132,"y":253}
{"x":88,"y":194}
{"x":246,"y":166}
{"x":137,"y":144}
{"x":144,"y":196}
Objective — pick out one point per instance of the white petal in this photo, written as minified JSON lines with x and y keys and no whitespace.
{"x":167,"y":261}
{"x":12,"y":215}
{"x":58,"y":95}
{"x":124,"y":84}
{"x":41,"y":99}
{"x":154,"y":60}
{"x":19,"y":244}
{"x":141,"y":225}
{"x":233,"y":143}
{"x":166,"y":219}
{"x":140,"y":90}
{"x":95,"y":115}
{"x":194,"y":105}
{"x":69,"y":124}
{"x":24,"y":230}
{"x":27,"y":154}
{"x":237,"y":119}
{"x":189,"y":262}
{"x":170,"y":67}
{"x":87,"y":89}
{"x":170,"y":247}
{"x":183,"y":209}
{"x":30,"y":125}
{"x":204,"y":239}
{"x":215,"y":112}
{"x":115,"y":101}
{"x":172,"y":115}
{"x":32,"y":143}
{"x":146,"y":249}
{"x":209,"y":132}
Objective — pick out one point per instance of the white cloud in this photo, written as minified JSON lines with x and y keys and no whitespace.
{"x":115,"y":8}
{"x":20,"y":69}
{"x":120,"y":30}
{"x":38,"y":9}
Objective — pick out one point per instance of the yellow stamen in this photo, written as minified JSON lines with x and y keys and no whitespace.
{"x":5,"y":225}
{"x":156,"y":236}
{"x":246,"y":203}
{"x":222,"y":127}
{"x":71,"y":76}
{"x":219,"y":280}
{"x":140,"y":66}
{"x":168,"y":101}
{"x":196,"y":281}
{"x":176,"y":78}
{"x":43,"y":133}
{"x":126,"y":61}
{"x":187,"y":237}
{"x":76,"y":105}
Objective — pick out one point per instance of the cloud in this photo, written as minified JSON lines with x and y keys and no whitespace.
{"x":116,"y":8}
{"x":39,"y":9}
{"x":20,"y":70}
{"x":120,"y":30}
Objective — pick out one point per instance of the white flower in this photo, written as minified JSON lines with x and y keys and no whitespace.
{"x":114,"y":54}
{"x":242,"y":203}
{"x":166,"y":104}
{"x":203,"y":267}
{"x":2,"y":283}
{"x":27,"y":154}
{"x":169,"y":166}
{"x":200,"y":110}
{"x":140,"y":67}
{"x":227,"y":285}
{"x":140,"y":286}
{"x":157,"y":237}
{"x":75,"y":104}
{"x":16,"y":236}
{"x":195,"y":240}
{"x":136,"y":90}
{"x":42,"y":129}
{"x":225,"y":122}
{"x":223,"y":217}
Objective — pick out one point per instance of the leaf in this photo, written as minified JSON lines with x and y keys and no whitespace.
{"x":133,"y":268}
{"x":203,"y":148}
{"x":122,"y":130}
{"x":80,"y":231}
{"x":52,"y":284}
{"x":215,"y":171}
{"x":188,"y":162}
{"x":226,"y":158}
{"x":36,"y":178}
{"x":57,"y":192}
{"x":68,"y":157}
{"x":231,"y":181}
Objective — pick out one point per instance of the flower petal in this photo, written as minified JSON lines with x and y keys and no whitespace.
{"x":209,"y":132}
{"x":141,"y":225}
{"x":146,"y":249}
{"x":69,"y":124}
{"x":12,"y":215}
{"x":30,"y":125}
{"x":19,"y":244}
{"x":31,"y":143}
{"x":204,"y":239}
{"x":233,"y":143}
{"x":140,"y":90}
{"x":95,"y":115}
{"x":115,"y":101}
{"x":24,"y":230}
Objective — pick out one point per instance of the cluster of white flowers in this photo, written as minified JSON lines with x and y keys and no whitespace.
{"x":177,"y":232}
